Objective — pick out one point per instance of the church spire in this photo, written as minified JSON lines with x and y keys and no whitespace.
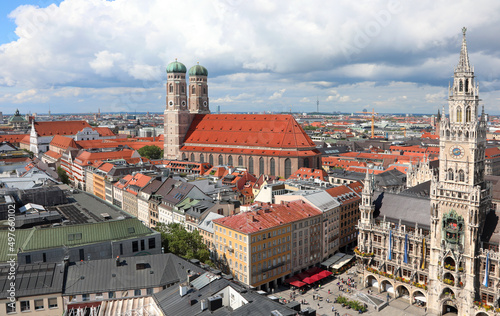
{"x":463,"y":62}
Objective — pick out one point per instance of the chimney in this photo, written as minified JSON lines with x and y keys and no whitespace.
{"x":183,"y":289}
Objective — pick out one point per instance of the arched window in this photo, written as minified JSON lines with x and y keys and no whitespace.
{"x":461,"y":176}
{"x":261,"y":165}
{"x":466,"y":85}
{"x":240,"y":161}
{"x":202,"y":158}
{"x":272,"y":167}
{"x":288,"y":168}
{"x":182,"y":89}
{"x":450,"y":174}
{"x":459,"y":114}
{"x":192,"y":157}
{"x":193,"y":89}
{"x":460,"y":85}
{"x":184,"y":156}
{"x":468,"y":114}
{"x":204,"y":90}
{"x":250,"y":165}
{"x":221,"y":160}
{"x":171,"y":88}
{"x":211,"y":159}
{"x":230,"y":160}
{"x":306,"y":162}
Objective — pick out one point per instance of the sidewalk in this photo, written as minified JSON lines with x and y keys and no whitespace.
{"x":398,"y":306}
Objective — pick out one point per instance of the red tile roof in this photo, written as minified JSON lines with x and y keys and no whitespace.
{"x":87,"y":158}
{"x":309,"y":173}
{"x":53,"y":154}
{"x":12,"y":138}
{"x":123,"y":182}
{"x":59,"y":127}
{"x":492,"y":152}
{"x":260,"y":152}
{"x":104,"y":131}
{"x":63,"y":142}
{"x":261,"y":130}
{"x":343,"y":193}
{"x":271,"y":215}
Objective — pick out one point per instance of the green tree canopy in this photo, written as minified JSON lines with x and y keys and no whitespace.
{"x":151,"y":152}
{"x":63,"y":176}
{"x":177,"y":240}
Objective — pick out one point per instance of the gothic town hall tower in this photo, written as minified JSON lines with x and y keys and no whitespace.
{"x":459,"y":198}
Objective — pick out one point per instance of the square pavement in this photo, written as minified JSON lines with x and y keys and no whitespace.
{"x":398,"y":306}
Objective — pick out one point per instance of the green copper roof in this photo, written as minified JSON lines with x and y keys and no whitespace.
{"x":73,"y":235}
{"x":198,"y":70}
{"x":176,"y":67}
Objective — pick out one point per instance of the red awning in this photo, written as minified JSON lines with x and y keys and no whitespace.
{"x":297,"y":283}
{"x":308,"y":280}
{"x":325,"y":273}
{"x":316,"y":278}
{"x":292,"y":279}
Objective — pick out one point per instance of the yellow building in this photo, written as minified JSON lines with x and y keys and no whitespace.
{"x":255,"y":246}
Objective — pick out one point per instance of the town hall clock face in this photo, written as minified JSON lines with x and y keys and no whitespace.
{"x":457,"y":151}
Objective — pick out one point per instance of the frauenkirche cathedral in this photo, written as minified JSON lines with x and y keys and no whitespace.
{"x":439,"y":251}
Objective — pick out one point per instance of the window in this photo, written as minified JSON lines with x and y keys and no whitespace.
{"x":261,"y":165}
{"x":272,"y":167}
{"x":121,"y":249}
{"x":142,"y":244}
{"x":221,"y":160}
{"x":11,"y":307}
{"x":250,"y":165}
{"x":135,"y":246}
{"x":85,"y":297}
{"x":211,"y":159}
{"x":111,"y":294}
{"x":137,"y":292}
{"x":151,"y":243}
{"x":240,"y":161}
{"x":52,"y":302}
{"x":28,"y":259}
{"x":288,"y":168}
{"x":149,"y":291}
{"x":38,"y":305}
{"x":459,"y":112}
{"x":230,"y":160}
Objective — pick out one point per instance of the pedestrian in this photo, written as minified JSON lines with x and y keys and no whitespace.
{"x":328,"y":291}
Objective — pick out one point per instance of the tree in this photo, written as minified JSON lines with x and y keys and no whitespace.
{"x":151,"y":152}
{"x":63,"y":176}
{"x":189,"y":245}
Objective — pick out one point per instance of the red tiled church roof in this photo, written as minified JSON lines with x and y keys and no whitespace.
{"x":254,"y":130}
{"x":51,"y":128}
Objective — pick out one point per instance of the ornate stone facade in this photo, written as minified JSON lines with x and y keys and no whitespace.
{"x":443,"y":265}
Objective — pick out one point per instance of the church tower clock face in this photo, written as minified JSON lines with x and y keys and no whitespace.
{"x":457,"y":152}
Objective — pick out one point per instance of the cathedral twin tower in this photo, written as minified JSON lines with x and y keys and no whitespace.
{"x":180,"y":109}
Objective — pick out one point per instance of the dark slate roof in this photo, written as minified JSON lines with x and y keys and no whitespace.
{"x":172,"y":303}
{"x":33,"y":279}
{"x":390,"y":178}
{"x":103,"y":275}
{"x":199,"y":209}
{"x":409,"y":209}
{"x":423,"y":190}
{"x":152,"y":187}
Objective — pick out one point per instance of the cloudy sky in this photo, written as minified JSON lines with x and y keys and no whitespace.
{"x":394,"y":56}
